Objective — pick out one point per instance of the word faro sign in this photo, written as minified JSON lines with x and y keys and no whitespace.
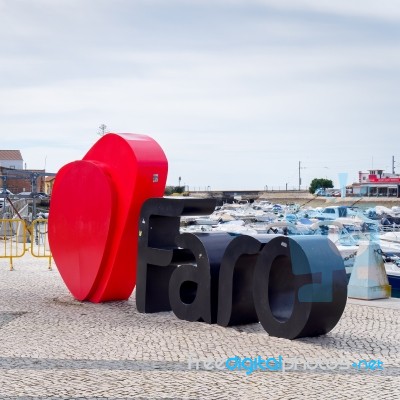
{"x":110,"y":229}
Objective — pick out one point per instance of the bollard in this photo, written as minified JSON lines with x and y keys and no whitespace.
{"x":368,"y":280}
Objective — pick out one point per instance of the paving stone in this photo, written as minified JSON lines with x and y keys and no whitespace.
{"x":54,"y":347}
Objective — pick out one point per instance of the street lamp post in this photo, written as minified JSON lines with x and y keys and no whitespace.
{"x":299,"y":175}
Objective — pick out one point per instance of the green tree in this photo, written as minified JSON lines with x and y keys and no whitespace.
{"x":317,"y":183}
{"x":169,"y":190}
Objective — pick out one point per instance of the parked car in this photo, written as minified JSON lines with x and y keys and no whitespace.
{"x":31,"y":195}
{"x":5,"y":191}
{"x":43,"y":195}
{"x":320,"y":192}
{"x":3,"y":194}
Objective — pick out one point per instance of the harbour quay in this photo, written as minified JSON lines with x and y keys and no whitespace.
{"x":54,"y":347}
{"x":295,"y":196}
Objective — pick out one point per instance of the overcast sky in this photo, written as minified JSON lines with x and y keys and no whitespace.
{"x":236,"y":92}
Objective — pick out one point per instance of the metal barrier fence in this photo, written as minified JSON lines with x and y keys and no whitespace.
{"x":12,"y":239}
{"x":16,"y":238}
{"x":40,"y":241}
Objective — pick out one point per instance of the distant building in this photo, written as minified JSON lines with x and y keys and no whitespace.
{"x":354,"y":189}
{"x":377,"y":183}
{"x":14,"y":177}
{"x":48,"y":184}
{"x":20,"y":180}
{"x":11,"y":159}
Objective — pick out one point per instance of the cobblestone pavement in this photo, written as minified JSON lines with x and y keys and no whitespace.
{"x":53,"y":347}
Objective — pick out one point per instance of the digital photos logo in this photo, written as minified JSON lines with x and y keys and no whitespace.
{"x":280,"y":364}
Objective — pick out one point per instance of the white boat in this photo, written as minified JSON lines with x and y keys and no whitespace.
{"x":206,"y":221}
{"x":393,"y":237}
{"x":265,"y":217}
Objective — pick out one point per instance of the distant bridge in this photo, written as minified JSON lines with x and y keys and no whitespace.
{"x":250,"y":195}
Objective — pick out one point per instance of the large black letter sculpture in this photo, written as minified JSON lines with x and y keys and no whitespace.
{"x":299,"y":286}
{"x":159,"y":254}
{"x":295,"y":286}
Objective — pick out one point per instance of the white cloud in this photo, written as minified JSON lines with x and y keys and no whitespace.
{"x":236,"y":102}
{"x":383,"y":9}
{"x":386,"y":9}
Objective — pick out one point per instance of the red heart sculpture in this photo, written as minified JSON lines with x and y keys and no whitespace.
{"x":94,"y":213}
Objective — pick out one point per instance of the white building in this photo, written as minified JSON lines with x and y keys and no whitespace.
{"x":376,"y":182}
{"x":11,"y":159}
